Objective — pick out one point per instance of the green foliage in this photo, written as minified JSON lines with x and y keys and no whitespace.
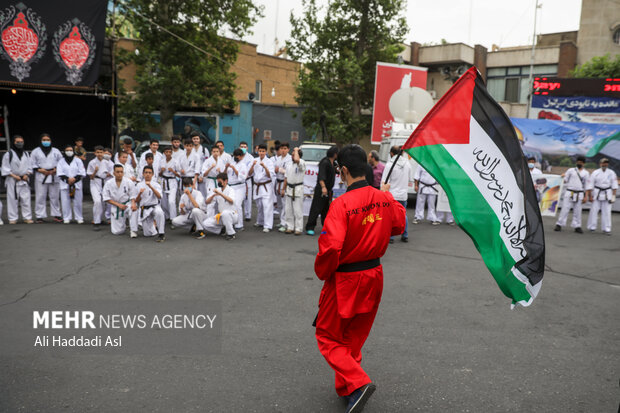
{"x":339,"y":46}
{"x":599,"y":66}
{"x":566,"y":161}
{"x":171,"y":74}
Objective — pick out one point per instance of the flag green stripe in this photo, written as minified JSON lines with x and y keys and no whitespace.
{"x":601,"y":144}
{"x":474,"y":215}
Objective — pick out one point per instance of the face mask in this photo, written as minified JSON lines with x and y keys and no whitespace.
{"x":579,"y":165}
{"x":47,"y":144}
{"x":19,"y":145}
{"x":69,"y":153}
{"x":245,"y":150}
{"x":604,"y":168}
{"x":190,"y":189}
{"x":531,"y":165}
{"x":218,"y":185}
{"x":107,"y":157}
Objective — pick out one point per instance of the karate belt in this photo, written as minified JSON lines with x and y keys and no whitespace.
{"x":574,"y":195}
{"x":279,"y":184}
{"x":119,"y":211}
{"x":602,"y":189}
{"x":47,"y":176}
{"x":142,"y":208}
{"x":167,"y":182}
{"x":72,"y":191}
{"x":213,"y":179}
{"x":294,"y":186}
{"x":432,"y":186}
{"x":259,"y":184}
{"x":237,"y":183}
{"x":251,"y":179}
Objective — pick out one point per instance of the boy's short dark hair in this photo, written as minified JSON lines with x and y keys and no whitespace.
{"x":223,"y":176}
{"x":149,"y":167}
{"x":127,"y":141}
{"x":149,"y":156}
{"x":153,"y":141}
{"x":187,"y":181}
{"x":168,"y":148}
{"x":107,"y":150}
{"x":333,"y":151}
{"x":194,"y":133}
{"x":394,"y":150}
{"x":262,"y":146}
{"x":285,"y":144}
{"x":237,"y":152}
{"x":531,"y":158}
{"x":79,"y":139}
{"x":187,"y":141}
{"x":581,"y":158}
{"x":354,"y":158}
{"x":118,"y":165}
{"x":243,"y":143}
{"x":98,"y":148}
{"x":175,"y":138}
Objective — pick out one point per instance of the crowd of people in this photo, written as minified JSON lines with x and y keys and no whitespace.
{"x":185,"y":186}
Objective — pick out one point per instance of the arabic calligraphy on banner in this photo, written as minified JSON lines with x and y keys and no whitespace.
{"x":576,"y":109}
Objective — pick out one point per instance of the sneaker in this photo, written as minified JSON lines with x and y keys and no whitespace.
{"x":452,"y":223}
{"x":579,"y":230}
{"x":172,"y":226}
{"x":297,"y":232}
{"x":28,"y":221}
{"x":133,"y":234}
{"x":248,"y":219}
{"x":288,"y":231}
{"x":58,"y":219}
{"x":358,"y":399}
{"x":80,"y":222}
{"x":230,"y":237}
{"x":404,"y":239}
{"x":435,"y":223}
{"x":67,"y":222}
{"x":415,"y":221}
{"x":223,"y":231}
{"x":96,"y":227}
{"x":557,"y":228}
{"x":39,"y":221}
{"x":240,"y":229}
{"x":257,"y":225}
{"x":12,"y":222}
{"x":266,"y":230}
{"x":200,"y":235}
{"x":160,"y":238}
{"x":607,"y":232}
{"x":310,"y":232}
{"x":283,"y":229}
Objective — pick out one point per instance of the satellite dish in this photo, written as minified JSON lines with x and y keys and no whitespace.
{"x":410,"y":104}
{"x":251,"y":96}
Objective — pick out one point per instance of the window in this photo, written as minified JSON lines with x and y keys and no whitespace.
{"x":496,"y":88}
{"x":496,"y":71}
{"x":513,"y":71}
{"x":512,"y":89}
{"x":259,"y":91}
{"x":616,"y":36}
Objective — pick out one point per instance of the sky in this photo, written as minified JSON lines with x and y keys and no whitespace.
{"x":501,"y":22}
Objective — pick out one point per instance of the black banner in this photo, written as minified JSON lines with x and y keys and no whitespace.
{"x":52,"y":41}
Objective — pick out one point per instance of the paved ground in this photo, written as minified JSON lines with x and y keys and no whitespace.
{"x":445,"y":339}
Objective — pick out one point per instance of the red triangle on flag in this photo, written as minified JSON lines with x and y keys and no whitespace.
{"x":448,"y":121}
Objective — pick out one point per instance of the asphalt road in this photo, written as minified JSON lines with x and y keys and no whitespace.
{"x":445,"y":339}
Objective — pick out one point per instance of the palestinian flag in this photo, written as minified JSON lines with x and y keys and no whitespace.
{"x":468,"y":144}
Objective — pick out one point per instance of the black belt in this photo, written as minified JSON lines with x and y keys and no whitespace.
{"x":237,"y":183}
{"x":359,"y":266}
{"x":167,"y":182}
{"x":294,"y":186}
{"x":142,"y":208}
{"x":432,"y":186}
{"x":602,"y":189}
{"x":47,"y":176}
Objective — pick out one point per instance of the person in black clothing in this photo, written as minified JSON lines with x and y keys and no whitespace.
{"x":323,"y":191}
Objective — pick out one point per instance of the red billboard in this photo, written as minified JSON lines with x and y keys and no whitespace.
{"x":389,"y":79}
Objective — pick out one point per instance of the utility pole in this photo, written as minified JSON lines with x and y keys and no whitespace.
{"x":529,"y":79}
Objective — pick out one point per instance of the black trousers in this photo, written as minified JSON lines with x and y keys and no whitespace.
{"x":320,"y":205}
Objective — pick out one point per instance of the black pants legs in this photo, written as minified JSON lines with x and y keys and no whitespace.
{"x":320,"y":205}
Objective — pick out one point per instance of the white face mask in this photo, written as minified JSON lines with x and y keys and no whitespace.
{"x":531,"y":165}
{"x":69,"y":154}
{"x":107,"y":157}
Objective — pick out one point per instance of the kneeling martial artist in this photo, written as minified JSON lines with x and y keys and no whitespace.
{"x":224,"y":198}
{"x":192,"y":209}
{"x":145,"y":202}
{"x":355,"y":235}
{"x":117,"y":192}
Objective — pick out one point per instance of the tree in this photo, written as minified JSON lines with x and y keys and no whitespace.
{"x":170,"y":73}
{"x":339,"y":52}
{"x":599,"y":66}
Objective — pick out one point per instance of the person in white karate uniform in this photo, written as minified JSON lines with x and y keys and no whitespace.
{"x":201,"y":154}
{"x":262,"y":171}
{"x":177,"y":151}
{"x":398,"y":182}
{"x":157,"y":157}
{"x":225,"y":156}
{"x":44,"y":160}
{"x":603,"y":186}
{"x":226,"y":216}
{"x":293,"y":192}
{"x":17,"y":169}
{"x":576,"y":194}
{"x":128,"y":170}
{"x":188,"y":162}
{"x":168,"y":175}
{"x":145,"y":201}
{"x":192,"y":209}
{"x":211,"y":168}
{"x":149,"y":160}
{"x":237,"y":174}
{"x":117,"y":192}
{"x":282,"y":161}
{"x":70,"y":171}
{"x":426,"y":189}
{"x":131,"y":155}
{"x":99,"y":170}
{"x":247,"y":200}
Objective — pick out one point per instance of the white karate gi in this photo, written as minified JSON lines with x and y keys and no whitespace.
{"x":602,"y":183}
{"x":187,"y":165}
{"x":158,"y":157}
{"x":46,"y":185}
{"x":17,"y":192}
{"x":104,"y":172}
{"x":294,"y":195}
{"x":170,"y":186}
{"x":130,"y":172}
{"x":236,"y":180}
{"x":149,"y":211}
{"x":227,"y":213}
{"x":214,"y":166}
{"x":426,"y":194}
{"x":74,"y":169}
{"x":263,"y":192}
{"x":189,"y":215}
{"x":281,"y":162}
{"x":247,"y":201}
{"x":399,"y":183}
{"x":575,"y":182}
{"x":121,"y":193}
{"x":129,"y":157}
{"x":200,"y":156}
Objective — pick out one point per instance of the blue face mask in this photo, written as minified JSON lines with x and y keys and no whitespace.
{"x":245,"y":150}
{"x":531,"y":165}
{"x":190,"y":189}
{"x":47,"y":144}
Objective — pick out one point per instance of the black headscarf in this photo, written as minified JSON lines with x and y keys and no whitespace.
{"x":68,"y":159}
{"x":18,"y":151}
{"x":46,"y":150}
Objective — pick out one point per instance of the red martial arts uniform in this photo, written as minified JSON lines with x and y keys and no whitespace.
{"x":355,"y":235}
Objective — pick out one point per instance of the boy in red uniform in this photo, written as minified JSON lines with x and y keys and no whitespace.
{"x":356,"y":234}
